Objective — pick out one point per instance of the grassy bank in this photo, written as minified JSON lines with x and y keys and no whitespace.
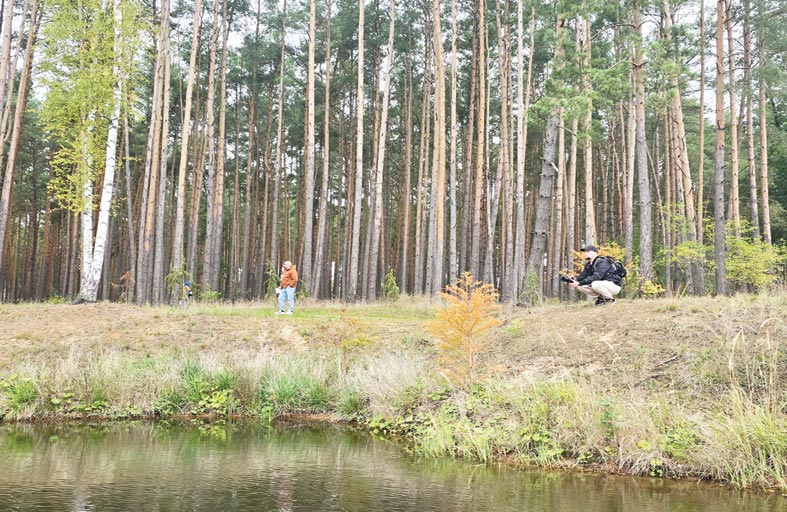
{"x":667,"y":388}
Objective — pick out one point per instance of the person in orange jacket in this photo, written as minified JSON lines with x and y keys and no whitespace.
{"x":289,"y":278}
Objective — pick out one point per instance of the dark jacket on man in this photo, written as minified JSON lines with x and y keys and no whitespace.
{"x":598,"y":270}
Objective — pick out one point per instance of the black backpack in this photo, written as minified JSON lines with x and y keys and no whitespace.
{"x":617,"y":268}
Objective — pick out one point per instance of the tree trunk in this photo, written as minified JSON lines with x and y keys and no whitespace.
{"x":308,"y":189}
{"x":423,"y":150}
{"x":735,"y":202}
{"x":680,"y":155}
{"x":5,"y":54}
{"x":701,"y":132}
{"x":235,"y":223}
{"x":406,"y":206}
{"x":180,"y":208}
{"x":319,"y":258}
{"x":16,"y":132}
{"x":93,"y":264}
{"x":719,"y":249}
{"x":591,"y":235}
{"x":523,"y":104}
{"x":453,"y":260}
{"x":158,"y":259}
{"x":763,"y":119}
{"x":352,"y":284}
{"x":438,"y":158}
{"x":153,"y":167}
{"x":538,"y":246}
{"x":553,"y":276}
{"x":750,"y":156}
{"x":467,"y":169}
{"x":200,"y":143}
{"x":505,"y":184}
{"x":248,"y":206}
{"x":132,"y":246}
{"x":209,"y":271}
{"x":279,"y":167}
{"x":475,"y":251}
{"x":643,"y":181}
{"x":534,"y":274}
{"x":380,"y":164}
{"x":630,"y":163}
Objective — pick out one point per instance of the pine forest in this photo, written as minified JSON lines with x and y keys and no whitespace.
{"x":381,"y":143}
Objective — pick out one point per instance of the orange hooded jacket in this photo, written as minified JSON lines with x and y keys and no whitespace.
{"x":289,"y":278}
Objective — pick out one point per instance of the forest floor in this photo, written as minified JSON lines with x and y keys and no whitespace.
{"x":665,"y":343}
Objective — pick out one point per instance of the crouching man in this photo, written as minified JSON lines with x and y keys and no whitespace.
{"x":598,"y":279}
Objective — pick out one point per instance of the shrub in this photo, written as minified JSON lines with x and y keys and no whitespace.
{"x":175,"y":280}
{"x":390,"y":288}
{"x":210,"y":296}
{"x":17,"y":393}
{"x":462,"y":327}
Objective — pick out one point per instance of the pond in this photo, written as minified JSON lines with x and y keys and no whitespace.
{"x":303,"y":467}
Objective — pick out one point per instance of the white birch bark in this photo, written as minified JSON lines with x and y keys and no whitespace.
{"x":93,"y":254}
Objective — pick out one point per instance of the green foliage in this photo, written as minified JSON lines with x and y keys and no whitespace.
{"x":216,"y":430}
{"x":17,"y":393}
{"x":752,"y":262}
{"x":686,"y":253}
{"x":303,"y":290}
{"x":210,"y":296}
{"x":56,"y":299}
{"x":294,"y":388}
{"x":78,"y":73}
{"x":651,"y":290}
{"x":272,"y":281}
{"x":197,"y":392}
{"x":390,"y":288}
{"x":515,"y":328}
{"x":216,"y":401}
{"x":174,"y":282}
{"x":531,"y":292}
{"x":171,"y":402}
{"x":67,"y":403}
{"x":351,"y":404}
{"x":347,"y":334}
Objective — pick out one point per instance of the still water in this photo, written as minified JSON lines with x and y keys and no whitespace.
{"x":248,"y":467}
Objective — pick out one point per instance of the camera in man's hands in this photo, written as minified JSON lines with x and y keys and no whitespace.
{"x":567,"y":279}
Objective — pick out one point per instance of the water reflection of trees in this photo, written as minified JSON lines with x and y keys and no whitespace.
{"x":154,"y":466}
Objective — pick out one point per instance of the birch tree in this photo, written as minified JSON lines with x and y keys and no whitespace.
{"x":83,"y":107}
